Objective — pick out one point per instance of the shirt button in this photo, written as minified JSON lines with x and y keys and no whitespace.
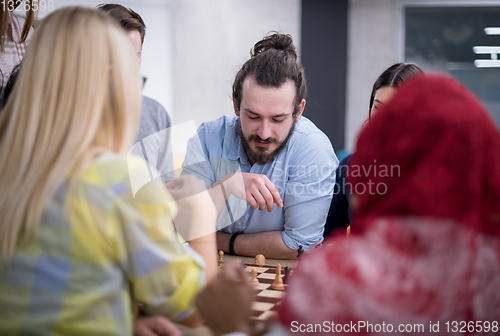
{"x":239,"y":223}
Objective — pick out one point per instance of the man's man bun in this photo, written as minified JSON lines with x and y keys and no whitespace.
{"x":273,"y":63}
{"x":277,"y":41}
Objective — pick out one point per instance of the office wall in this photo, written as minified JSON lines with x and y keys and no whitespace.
{"x":372,"y":47}
{"x":193,"y":49}
{"x":324,"y":56}
{"x":375,"y":41}
{"x":212,"y":41}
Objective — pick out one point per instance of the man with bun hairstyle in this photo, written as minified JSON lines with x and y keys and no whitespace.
{"x":267,"y":156}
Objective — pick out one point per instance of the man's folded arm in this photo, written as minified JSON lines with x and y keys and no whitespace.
{"x":269,"y":243}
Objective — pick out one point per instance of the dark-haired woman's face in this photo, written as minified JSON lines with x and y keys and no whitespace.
{"x":382,"y":96}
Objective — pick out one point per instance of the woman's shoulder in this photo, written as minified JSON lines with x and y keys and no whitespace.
{"x":112,"y":168}
{"x":126,"y":176}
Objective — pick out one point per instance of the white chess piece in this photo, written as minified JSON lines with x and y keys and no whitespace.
{"x":278,"y":282}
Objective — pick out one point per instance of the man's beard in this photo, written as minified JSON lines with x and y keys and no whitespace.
{"x":259,"y":156}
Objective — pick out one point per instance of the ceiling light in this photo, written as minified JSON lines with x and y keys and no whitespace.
{"x":492,"y":31}
{"x":487,"y":63}
{"x":486,"y":50}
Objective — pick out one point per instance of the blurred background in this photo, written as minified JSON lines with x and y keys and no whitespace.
{"x":193,"y":49}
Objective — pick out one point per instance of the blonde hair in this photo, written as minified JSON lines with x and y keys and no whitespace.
{"x":79,"y":98}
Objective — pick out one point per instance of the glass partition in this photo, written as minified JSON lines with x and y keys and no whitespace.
{"x":461,"y":41}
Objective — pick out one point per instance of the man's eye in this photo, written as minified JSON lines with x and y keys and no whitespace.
{"x":253,"y":118}
{"x":278,"y":120}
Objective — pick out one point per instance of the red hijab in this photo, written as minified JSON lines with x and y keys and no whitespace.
{"x":447,"y":149}
{"x":426,"y":248}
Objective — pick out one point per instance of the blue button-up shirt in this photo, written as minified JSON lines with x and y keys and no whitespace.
{"x":303,"y":173}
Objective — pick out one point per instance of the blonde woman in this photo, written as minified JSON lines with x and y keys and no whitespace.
{"x":77,"y":252}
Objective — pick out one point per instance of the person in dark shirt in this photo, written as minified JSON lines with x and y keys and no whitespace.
{"x":10,"y":85}
{"x":384,"y":88}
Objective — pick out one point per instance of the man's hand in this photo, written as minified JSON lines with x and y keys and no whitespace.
{"x":155,"y":326}
{"x":256,"y":189}
{"x":225,"y":303}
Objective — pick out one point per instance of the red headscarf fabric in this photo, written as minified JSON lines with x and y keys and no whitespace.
{"x":442,"y":154}
{"x":402,"y":273}
{"x":427,"y":248}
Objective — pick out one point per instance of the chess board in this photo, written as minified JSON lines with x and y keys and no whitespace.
{"x":267,"y":300}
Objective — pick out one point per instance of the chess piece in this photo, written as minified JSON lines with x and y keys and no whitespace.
{"x":221,"y":257}
{"x":278,"y":282}
{"x":286,"y":278}
{"x":260,"y":260}
{"x":255,"y":281}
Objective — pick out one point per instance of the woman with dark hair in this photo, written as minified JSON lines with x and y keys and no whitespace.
{"x":383,"y":89}
{"x":387,"y":83}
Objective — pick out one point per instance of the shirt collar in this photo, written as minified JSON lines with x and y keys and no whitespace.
{"x":235,"y":150}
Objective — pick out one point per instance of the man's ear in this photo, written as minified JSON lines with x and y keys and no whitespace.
{"x":302,"y":105}
{"x":235,"y":106}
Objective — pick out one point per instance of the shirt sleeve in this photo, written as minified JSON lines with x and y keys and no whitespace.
{"x":163,"y":274}
{"x":309,"y":190}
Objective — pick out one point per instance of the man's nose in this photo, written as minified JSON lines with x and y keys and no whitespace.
{"x":264,"y":131}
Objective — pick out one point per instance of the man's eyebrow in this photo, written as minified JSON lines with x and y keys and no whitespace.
{"x":274,"y":116}
{"x":250,"y":111}
{"x":378,"y":101}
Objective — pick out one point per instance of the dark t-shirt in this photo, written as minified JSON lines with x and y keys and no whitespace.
{"x":339,"y":213}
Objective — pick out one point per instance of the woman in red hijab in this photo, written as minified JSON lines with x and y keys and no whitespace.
{"x":424,"y":246}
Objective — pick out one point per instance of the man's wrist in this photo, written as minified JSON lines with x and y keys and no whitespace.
{"x":232,"y":242}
